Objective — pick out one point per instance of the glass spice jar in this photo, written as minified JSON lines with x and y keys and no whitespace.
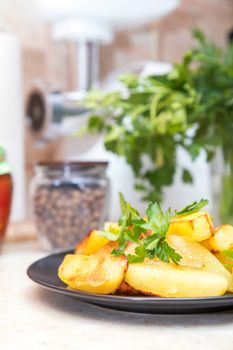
{"x":69,"y":200}
{"x":6,"y":187}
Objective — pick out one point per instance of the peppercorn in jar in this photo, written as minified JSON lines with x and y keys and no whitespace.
{"x":69,"y":200}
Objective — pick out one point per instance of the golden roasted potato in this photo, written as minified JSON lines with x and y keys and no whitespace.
{"x":196,"y":256}
{"x":206,"y":244}
{"x":93,"y":241}
{"x":193,"y":255}
{"x":107,"y":249}
{"x":81,"y":246}
{"x":126,"y":289}
{"x":91,"y":244}
{"x":194,"y":227}
{"x":95,"y":274}
{"x":223,"y":238}
{"x":170,"y":280}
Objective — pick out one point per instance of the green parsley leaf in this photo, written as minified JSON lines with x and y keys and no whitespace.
{"x":166,"y":253}
{"x":117,"y":252}
{"x":151,"y":242}
{"x":228,"y":253}
{"x":158,"y":247}
{"x":123,"y":203}
{"x":135,"y":258}
{"x":128,"y":213}
{"x":193,"y":207}
{"x":158,"y":221}
{"x":109,"y":235}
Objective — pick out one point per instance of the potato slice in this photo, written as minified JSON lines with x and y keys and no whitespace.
{"x":223,"y":238}
{"x":193,"y":255}
{"x":81,"y":246}
{"x":107,"y":249}
{"x":170,"y":280}
{"x":126,"y":289}
{"x":194,"y":227}
{"x":91,"y":244}
{"x":95,"y":274}
{"x":196,"y":256}
{"x":93,"y":241}
{"x":206,"y":244}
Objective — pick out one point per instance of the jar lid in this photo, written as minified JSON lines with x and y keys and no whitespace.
{"x":4,"y":166}
{"x":73,"y":165}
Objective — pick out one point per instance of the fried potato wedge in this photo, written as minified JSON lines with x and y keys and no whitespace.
{"x":196,"y":256}
{"x":95,"y":274}
{"x":91,"y":244}
{"x":194,"y":227}
{"x":81,"y":246}
{"x":93,"y":241}
{"x":107,"y":249}
{"x":206,"y":244}
{"x":126,"y":289}
{"x":223,"y":238}
{"x":170,"y":280}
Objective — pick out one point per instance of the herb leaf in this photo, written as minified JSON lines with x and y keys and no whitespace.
{"x":109,"y":235}
{"x":166,"y":253}
{"x":158,"y":247}
{"x":154,"y":229}
{"x":135,"y":258}
{"x":128,"y":233}
{"x":157,"y":222}
{"x":123,"y":203}
{"x":193,"y":207}
{"x":228,"y":253}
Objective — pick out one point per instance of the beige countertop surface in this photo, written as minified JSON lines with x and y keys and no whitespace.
{"x":34,"y":318}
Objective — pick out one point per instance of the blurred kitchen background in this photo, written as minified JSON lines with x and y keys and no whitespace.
{"x":52,"y":51}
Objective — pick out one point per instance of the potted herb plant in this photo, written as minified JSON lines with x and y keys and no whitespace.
{"x":190,"y":107}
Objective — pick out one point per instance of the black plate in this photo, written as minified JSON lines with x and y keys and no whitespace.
{"x":44,"y":272}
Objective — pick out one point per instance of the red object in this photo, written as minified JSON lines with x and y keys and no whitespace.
{"x":6,"y":187}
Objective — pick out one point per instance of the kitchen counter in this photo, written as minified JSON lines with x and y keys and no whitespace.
{"x":33,"y":318}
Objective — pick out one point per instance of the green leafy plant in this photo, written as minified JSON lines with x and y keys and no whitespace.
{"x":191,"y":107}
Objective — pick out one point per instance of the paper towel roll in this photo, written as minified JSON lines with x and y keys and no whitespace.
{"x":11,"y":117}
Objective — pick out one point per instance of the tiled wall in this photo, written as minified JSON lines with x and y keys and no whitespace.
{"x":167,"y":39}
{"x":163,"y":40}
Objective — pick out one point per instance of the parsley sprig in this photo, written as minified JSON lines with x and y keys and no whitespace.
{"x":193,"y":207}
{"x":153,"y":228}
